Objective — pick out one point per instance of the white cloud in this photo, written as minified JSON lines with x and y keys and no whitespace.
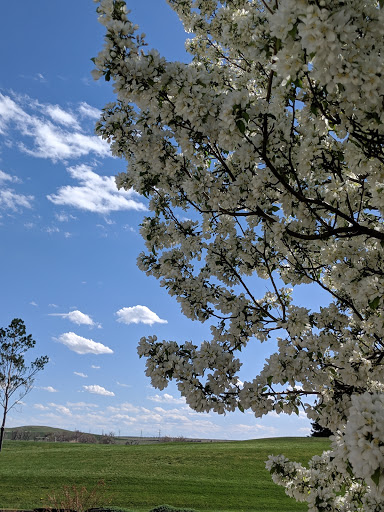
{"x":50,"y":389}
{"x":138,"y":314}
{"x":80,"y":374}
{"x":82,"y":345}
{"x":98,"y":390}
{"x":63,"y":217}
{"x":33,"y":303}
{"x":61,"y":409}
{"x":123,"y":385}
{"x":39,"y":77}
{"x":7,"y":177}
{"x":95,"y":367}
{"x":60,"y":141}
{"x":81,"y":405}
{"x":76,"y":317}
{"x":89,"y":111}
{"x":96,"y":193}
{"x":41,"y":407}
{"x":52,"y":229}
{"x":59,"y":115}
{"x":166,"y":398}
{"x":9,"y":200}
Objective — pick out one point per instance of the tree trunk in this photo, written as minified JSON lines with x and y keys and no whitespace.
{"x":3,"y":423}
{"x":1,"y":436}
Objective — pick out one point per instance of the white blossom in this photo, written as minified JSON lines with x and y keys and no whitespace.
{"x":271,"y":142}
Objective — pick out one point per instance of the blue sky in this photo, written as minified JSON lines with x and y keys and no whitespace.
{"x":69,"y":239}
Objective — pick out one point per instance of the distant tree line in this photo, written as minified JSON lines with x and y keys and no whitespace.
{"x":77,"y":436}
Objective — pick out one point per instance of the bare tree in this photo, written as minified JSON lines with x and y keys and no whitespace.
{"x":16,"y":379}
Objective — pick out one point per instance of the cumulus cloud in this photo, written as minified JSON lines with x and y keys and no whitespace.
{"x":54,"y":132}
{"x":82,"y":345}
{"x":98,"y":390}
{"x":95,"y":193}
{"x":80,"y":374}
{"x":60,"y":408}
{"x":50,"y":389}
{"x":138,"y":314}
{"x":77,"y":317}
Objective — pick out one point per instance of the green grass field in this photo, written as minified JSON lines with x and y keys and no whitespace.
{"x":219,"y":477}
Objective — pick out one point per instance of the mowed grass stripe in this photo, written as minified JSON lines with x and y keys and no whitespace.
{"x":208,"y":477}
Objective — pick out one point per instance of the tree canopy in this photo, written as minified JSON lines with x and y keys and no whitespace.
{"x":264,"y":157}
{"x":16,"y":378}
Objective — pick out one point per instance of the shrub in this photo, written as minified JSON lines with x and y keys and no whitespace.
{"x":75,"y":498}
{"x":169,"y":508}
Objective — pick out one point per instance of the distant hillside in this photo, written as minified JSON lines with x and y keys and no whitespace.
{"x":52,"y":434}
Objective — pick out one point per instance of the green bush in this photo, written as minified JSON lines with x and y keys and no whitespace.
{"x":109,"y":509}
{"x":168,"y":508}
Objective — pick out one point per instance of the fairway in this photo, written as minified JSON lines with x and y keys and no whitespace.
{"x":211,"y":477}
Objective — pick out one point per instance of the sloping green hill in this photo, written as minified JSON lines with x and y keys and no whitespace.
{"x":204,"y":476}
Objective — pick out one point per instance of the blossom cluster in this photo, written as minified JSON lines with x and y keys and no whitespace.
{"x":262,"y":159}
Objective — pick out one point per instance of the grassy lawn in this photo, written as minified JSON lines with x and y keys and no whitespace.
{"x":219,"y":477}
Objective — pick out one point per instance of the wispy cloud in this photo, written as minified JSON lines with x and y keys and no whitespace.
{"x":89,"y":111}
{"x":95,"y":193}
{"x":33,"y":303}
{"x":166,"y":398}
{"x":98,"y":390}
{"x":57,"y":114}
{"x":81,"y":405}
{"x":80,"y":374}
{"x":8,"y":177}
{"x":77,"y":317}
{"x":123,"y":385}
{"x":64,"y":217}
{"x":49,"y":131}
{"x":9,"y":199}
{"x":95,"y":367}
{"x":138,"y":314}
{"x":82,"y":345}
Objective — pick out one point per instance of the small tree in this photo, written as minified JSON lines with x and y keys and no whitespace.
{"x":16,"y":379}
{"x":319,"y":431}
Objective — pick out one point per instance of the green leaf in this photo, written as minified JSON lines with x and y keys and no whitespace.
{"x":374,"y":304}
{"x":293,"y":31}
{"x":241,"y":126}
{"x":241,"y":408}
{"x":269,"y":380}
{"x":108,"y":75}
{"x":376,"y":476}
